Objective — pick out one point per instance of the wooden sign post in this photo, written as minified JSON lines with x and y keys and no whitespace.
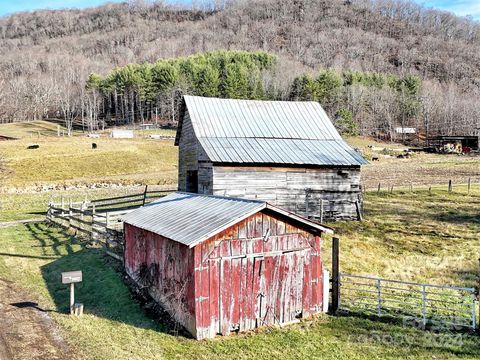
{"x":72,"y":277}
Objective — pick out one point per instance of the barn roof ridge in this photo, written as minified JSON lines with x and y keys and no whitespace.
{"x":191,"y":218}
{"x":266,"y":131}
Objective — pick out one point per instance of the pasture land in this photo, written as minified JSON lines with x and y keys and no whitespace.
{"x":418,"y":236}
{"x":420,"y":169}
{"x":72,"y":161}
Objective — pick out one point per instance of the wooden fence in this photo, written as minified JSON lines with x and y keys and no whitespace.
{"x":99,"y":220}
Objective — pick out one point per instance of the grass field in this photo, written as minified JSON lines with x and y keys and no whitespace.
{"x":397,"y":240}
{"x":421,"y":236}
{"x":116,"y":327}
{"x":73,"y":161}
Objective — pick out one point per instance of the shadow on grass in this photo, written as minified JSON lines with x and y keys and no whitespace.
{"x":362,"y":330}
{"x":104,"y":290}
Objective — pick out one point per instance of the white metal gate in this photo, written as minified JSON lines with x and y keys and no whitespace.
{"x":423,"y":305}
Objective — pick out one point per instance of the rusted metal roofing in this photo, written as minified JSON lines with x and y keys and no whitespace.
{"x":284,"y":132}
{"x":192,"y":218}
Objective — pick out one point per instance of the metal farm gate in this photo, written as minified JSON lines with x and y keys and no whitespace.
{"x":422,"y":305}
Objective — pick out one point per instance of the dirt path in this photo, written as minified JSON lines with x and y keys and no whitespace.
{"x":27,"y":331}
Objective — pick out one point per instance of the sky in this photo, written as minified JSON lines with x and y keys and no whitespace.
{"x":459,"y":7}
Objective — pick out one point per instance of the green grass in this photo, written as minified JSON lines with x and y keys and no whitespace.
{"x":114,"y":326}
{"x":416,"y":237}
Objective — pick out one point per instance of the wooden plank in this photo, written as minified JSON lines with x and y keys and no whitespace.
{"x":250,"y":295}
{"x":258,"y":291}
{"x":307,"y":285}
{"x":226,"y":295}
{"x":236,"y":274}
{"x":214,"y":297}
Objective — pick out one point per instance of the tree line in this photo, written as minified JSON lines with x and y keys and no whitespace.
{"x":48,"y":56}
{"x":357,"y":101}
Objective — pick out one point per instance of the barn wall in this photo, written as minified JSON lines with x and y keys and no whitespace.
{"x":285,"y":187}
{"x":187,"y":152}
{"x":166,"y":267}
{"x":244,"y":279}
{"x":205,"y":178}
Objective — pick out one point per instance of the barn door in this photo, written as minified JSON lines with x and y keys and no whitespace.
{"x":283,"y":278}
{"x":241,"y":303}
{"x":258,"y":291}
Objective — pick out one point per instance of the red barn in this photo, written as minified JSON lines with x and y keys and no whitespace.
{"x":220,"y":264}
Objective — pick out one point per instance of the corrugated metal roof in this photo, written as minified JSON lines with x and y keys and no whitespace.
{"x":285,"y":132}
{"x":192,"y":218}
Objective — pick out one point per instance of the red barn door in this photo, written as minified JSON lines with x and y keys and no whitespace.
{"x":258,"y":291}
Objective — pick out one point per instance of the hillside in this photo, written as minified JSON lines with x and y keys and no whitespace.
{"x":48,"y":55}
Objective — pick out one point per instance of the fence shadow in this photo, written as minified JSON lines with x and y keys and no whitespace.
{"x":104,"y":290}
{"x":363,"y":329}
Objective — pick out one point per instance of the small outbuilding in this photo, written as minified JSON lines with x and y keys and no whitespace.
{"x":122,"y":134}
{"x":285,"y":152}
{"x":220,"y":265}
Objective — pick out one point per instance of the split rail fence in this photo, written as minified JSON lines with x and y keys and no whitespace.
{"x":100,"y":220}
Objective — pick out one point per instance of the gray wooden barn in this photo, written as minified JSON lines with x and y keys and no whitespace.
{"x":286,"y":153}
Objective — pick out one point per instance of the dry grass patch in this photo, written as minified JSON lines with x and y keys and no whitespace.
{"x":73,"y":161}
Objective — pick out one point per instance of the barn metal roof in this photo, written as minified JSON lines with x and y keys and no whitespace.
{"x":284,"y":132}
{"x":192,"y":218}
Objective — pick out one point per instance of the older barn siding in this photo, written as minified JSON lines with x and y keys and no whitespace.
{"x":188,"y":153}
{"x":287,"y":188}
{"x":262,"y":271}
{"x":166,"y":268}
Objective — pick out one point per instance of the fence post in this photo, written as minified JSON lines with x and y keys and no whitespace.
{"x":70,"y":213}
{"x":468,"y":187}
{"x":62,"y":204}
{"x":145,"y":195}
{"x":82,"y":209}
{"x":450,"y":186}
{"x":378,"y":188}
{"x":424,"y":307}
{"x":335,"y":275}
{"x":379,"y":297}
{"x":359,"y":211}
{"x":92,"y":227}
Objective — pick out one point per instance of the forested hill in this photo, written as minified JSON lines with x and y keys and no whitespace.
{"x":47,"y":56}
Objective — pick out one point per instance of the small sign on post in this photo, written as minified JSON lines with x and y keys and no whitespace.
{"x":72,"y":277}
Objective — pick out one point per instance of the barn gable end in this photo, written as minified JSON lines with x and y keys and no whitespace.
{"x":286,"y":153}
{"x":260,"y":265}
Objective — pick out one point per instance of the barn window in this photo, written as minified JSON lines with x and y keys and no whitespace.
{"x":192,"y":181}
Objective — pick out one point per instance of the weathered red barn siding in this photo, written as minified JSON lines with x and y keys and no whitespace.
{"x":244,"y":279}
{"x":261,"y":271}
{"x":169,"y":266}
